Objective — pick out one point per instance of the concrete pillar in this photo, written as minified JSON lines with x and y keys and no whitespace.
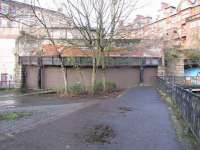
{"x":179,"y":70}
{"x":141,"y":74}
{"x":161,"y":71}
{"x":41,"y":76}
{"x":23,"y":77}
{"x":19,"y":70}
{"x":176,"y":67}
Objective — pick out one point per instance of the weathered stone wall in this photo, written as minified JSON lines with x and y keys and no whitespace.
{"x":161,"y":71}
{"x":25,"y":45}
{"x":18,"y":75}
{"x":175,"y":67}
{"x":9,"y":33}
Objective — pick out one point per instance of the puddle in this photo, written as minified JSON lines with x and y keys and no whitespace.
{"x":6,"y":95}
{"x":10,"y":103}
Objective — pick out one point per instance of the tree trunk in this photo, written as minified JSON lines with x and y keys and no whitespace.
{"x":104,"y":72}
{"x":93,"y":74}
{"x":82,"y":82}
{"x":64,"y":70}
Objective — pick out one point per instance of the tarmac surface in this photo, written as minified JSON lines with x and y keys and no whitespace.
{"x":139,"y":119}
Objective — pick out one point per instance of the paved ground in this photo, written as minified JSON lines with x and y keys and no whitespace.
{"x":39,"y":115}
{"x":9,"y":99}
{"x":145,"y":126}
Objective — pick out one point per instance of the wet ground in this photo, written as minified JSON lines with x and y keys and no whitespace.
{"x":10,"y":99}
{"x":139,"y":120}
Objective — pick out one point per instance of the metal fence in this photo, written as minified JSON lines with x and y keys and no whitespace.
{"x":183,"y":80}
{"x":7,"y":84}
{"x":6,"y":81}
{"x":187,"y":102}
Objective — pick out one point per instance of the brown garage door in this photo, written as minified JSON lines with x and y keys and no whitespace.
{"x":124,"y":77}
{"x":53,"y":78}
{"x":149,"y":74}
{"x":32,"y":77}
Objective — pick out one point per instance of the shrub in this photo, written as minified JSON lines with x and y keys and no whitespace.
{"x":194,"y":55}
{"x":76,"y":89}
{"x":172,"y":54}
{"x":60,"y":90}
{"x":110,"y":87}
{"x":98,"y":87}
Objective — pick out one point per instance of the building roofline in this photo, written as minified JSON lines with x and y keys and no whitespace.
{"x":170,"y":7}
{"x":167,"y":17}
{"x":29,"y":5}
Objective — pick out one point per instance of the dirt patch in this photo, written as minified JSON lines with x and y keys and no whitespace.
{"x":125,"y":109}
{"x":102,"y":95}
{"x":100,"y":134}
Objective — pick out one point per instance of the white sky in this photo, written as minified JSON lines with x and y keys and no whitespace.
{"x":150,"y":9}
{"x":152,"y":6}
{"x":7,"y":59}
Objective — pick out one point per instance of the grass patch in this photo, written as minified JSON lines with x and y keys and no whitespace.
{"x":6,"y":89}
{"x":13,"y":115}
{"x":182,"y":128}
{"x":11,"y":90}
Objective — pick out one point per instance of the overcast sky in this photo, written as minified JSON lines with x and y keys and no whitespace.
{"x":150,"y":6}
{"x":154,"y":5}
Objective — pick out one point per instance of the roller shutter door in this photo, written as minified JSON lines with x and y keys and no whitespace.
{"x":124,"y":77}
{"x":149,"y":74}
{"x":32,"y":77}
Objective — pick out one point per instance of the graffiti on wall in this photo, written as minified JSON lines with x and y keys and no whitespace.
{"x":192,"y":76}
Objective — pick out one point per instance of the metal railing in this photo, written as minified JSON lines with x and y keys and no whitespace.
{"x":187,"y":102}
{"x":7,"y":84}
{"x":183,"y":80}
{"x":6,"y":81}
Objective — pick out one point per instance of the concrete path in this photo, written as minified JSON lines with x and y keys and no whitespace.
{"x":145,"y":124}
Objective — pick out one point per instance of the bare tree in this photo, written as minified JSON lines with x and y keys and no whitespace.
{"x":35,"y":20}
{"x":98,"y":20}
{"x":42,"y":19}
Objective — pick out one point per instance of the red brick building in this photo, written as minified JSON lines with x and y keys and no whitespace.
{"x":179,"y":24}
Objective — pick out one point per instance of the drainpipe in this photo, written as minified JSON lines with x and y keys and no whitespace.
{"x":23,"y":77}
{"x":40,"y":78}
{"x":40,"y":74}
{"x":142,"y":72}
